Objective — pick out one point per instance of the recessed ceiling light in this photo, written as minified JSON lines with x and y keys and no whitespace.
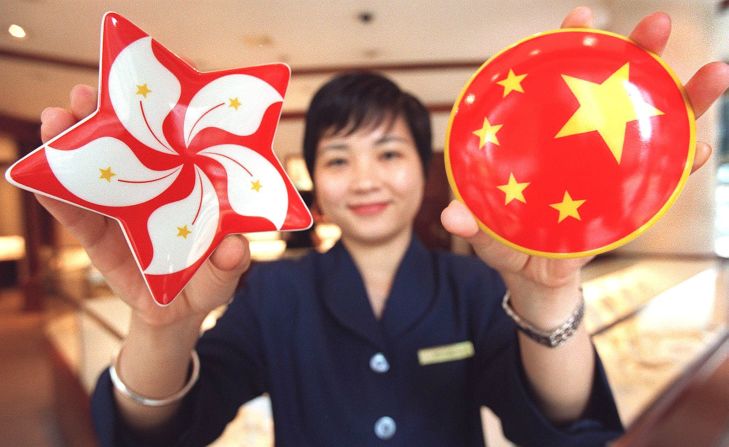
{"x":365,"y":17}
{"x":371,"y":53}
{"x":16,"y":31}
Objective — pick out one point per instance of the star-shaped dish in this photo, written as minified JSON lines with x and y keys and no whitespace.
{"x":179,"y":158}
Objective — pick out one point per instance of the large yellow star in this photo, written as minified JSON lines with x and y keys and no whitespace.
{"x":106,"y":174}
{"x":607,"y":108}
{"x":568,"y":207}
{"x":234,"y":103}
{"x":256,"y":185}
{"x":183,"y":232}
{"x":143,"y":90}
{"x":513,"y":190}
{"x":487,"y":133}
{"x":512,"y":83}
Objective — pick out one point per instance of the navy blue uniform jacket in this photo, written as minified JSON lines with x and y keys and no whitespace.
{"x":303,"y":331}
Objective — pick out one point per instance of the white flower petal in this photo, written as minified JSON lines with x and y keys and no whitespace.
{"x":143,"y":92}
{"x":182,"y":231}
{"x":255,"y":186}
{"x":235,"y":103}
{"x":106,"y":172}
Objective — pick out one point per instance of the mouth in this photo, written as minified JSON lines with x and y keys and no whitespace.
{"x":368,"y":209}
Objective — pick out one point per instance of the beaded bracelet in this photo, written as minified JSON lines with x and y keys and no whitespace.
{"x":147,"y":401}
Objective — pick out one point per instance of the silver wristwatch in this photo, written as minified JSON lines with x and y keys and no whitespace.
{"x":553,"y":338}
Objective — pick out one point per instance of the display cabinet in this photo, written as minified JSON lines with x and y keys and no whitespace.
{"x":653,"y":322}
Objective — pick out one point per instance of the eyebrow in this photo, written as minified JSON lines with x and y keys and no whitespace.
{"x":334,"y":146}
{"x":382,"y":140}
{"x":388,"y":138}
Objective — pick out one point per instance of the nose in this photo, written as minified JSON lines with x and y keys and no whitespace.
{"x":365,"y":176}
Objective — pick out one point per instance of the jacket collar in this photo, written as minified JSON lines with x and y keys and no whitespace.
{"x":344,"y":293}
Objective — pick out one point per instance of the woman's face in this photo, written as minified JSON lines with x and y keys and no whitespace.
{"x":370,"y":182}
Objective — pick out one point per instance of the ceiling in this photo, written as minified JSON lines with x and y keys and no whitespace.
{"x":62,"y":43}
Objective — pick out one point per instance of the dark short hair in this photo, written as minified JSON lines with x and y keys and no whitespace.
{"x":356,"y":100}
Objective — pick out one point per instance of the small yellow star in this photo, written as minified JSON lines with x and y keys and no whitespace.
{"x":143,"y":90}
{"x":183,"y":232}
{"x":568,"y":207}
{"x":513,"y":190}
{"x":234,"y":103}
{"x":106,"y":174}
{"x":512,"y":83}
{"x":256,"y":185}
{"x":487,"y":133}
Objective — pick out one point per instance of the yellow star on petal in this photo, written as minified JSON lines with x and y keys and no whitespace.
{"x":487,"y":133}
{"x":607,"y":108}
{"x":513,"y":190}
{"x":568,"y":207}
{"x":256,"y":185}
{"x":234,"y":103}
{"x":106,"y":174}
{"x":143,"y":90}
{"x":512,"y":83}
{"x":183,"y":232}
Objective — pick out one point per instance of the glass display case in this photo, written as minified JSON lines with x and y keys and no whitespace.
{"x":651,"y":319}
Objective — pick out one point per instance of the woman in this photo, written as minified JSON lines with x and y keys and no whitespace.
{"x":378,"y":340}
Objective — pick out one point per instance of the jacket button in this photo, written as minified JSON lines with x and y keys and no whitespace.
{"x":379,"y":364}
{"x":385,"y":427}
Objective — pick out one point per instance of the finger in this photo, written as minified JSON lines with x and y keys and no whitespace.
{"x":102,"y":239}
{"x":220,"y":275}
{"x":458,"y":220}
{"x":232,"y":255}
{"x":83,"y":101}
{"x":580,"y":17}
{"x":703,"y":153}
{"x":55,"y":120}
{"x":707,"y":85}
{"x":77,"y":220}
{"x":652,"y":32}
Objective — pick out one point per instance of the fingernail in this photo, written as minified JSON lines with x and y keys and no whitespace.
{"x":45,"y":114}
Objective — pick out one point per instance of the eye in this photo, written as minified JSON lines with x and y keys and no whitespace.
{"x":335,"y":162}
{"x":390,"y":155}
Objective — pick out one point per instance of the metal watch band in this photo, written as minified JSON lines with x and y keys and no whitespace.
{"x":553,"y":338}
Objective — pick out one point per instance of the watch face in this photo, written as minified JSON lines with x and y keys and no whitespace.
{"x":570,"y":143}
{"x":180,"y":158}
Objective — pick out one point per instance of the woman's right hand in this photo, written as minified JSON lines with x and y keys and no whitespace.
{"x":212,"y":285}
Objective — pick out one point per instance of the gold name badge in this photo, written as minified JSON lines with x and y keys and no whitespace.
{"x":446,"y":353}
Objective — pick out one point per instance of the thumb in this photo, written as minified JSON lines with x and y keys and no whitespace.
{"x":458,"y":220}
{"x":218,"y":277}
{"x":232,"y":257}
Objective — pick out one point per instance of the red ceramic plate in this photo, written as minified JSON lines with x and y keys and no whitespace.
{"x":570,"y":143}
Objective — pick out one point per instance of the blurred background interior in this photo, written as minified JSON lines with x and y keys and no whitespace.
{"x":658,"y":308}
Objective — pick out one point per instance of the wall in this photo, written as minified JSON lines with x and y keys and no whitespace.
{"x":10,"y":217}
{"x":687,"y":228}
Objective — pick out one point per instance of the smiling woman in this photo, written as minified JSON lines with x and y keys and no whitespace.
{"x":404,"y":334}
{"x":380,"y":336}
